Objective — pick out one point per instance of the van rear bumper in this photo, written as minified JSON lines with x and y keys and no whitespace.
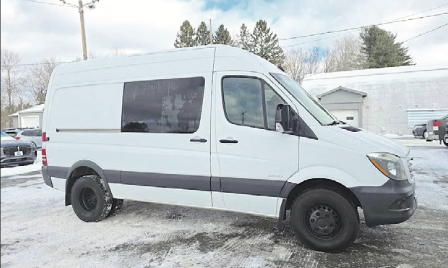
{"x":46,"y":177}
{"x":394,"y":202}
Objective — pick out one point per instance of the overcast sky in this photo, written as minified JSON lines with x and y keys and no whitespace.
{"x":38,"y":31}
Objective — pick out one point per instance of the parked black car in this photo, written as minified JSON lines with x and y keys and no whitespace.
{"x":445,"y":137}
{"x":15,"y":152}
{"x":420,"y":131}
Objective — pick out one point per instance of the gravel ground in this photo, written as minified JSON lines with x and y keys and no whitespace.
{"x":39,"y":231}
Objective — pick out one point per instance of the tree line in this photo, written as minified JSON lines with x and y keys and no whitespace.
{"x":261,"y":41}
{"x":372,"y":48}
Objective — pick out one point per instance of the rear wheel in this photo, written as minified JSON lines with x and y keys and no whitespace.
{"x":91,"y":201}
{"x":116,"y":206}
{"x":324,"y":220}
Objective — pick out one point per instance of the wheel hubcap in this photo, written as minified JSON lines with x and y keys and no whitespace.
{"x":323,"y":221}
{"x":88,"y":199}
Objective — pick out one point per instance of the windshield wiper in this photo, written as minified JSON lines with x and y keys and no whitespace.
{"x":332,"y":123}
{"x":335,"y":122}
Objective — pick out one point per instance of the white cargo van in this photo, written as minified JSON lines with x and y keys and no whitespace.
{"x":216,"y":127}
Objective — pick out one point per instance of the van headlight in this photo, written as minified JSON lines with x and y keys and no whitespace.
{"x":390,"y":165}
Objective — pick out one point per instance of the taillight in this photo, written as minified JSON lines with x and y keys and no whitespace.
{"x":44,"y":157}
{"x":17,"y":138}
{"x":44,"y":136}
{"x":436,"y":124}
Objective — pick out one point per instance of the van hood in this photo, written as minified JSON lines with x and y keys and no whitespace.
{"x":363,"y":141}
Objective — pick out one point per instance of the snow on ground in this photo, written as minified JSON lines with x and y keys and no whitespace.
{"x":9,"y":171}
{"x":395,"y":136}
{"x":39,"y":231}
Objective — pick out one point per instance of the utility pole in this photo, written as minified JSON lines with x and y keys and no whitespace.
{"x":80,"y":8}
{"x":83,"y":30}
{"x":211,"y":39}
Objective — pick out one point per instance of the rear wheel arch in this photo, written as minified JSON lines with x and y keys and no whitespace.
{"x":78,"y":170}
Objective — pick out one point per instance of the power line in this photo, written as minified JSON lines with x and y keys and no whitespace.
{"x":426,"y":32}
{"x":31,"y":64}
{"x":356,"y":28}
{"x":422,"y":12}
{"x":312,"y":41}
{"x":46,"y":3}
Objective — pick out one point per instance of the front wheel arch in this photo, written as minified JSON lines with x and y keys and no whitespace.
{"x":323,"y":184}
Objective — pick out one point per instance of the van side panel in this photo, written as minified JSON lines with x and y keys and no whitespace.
{"x":83,"y":124}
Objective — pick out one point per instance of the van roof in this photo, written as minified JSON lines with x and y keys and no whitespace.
{"x":200,"y":59}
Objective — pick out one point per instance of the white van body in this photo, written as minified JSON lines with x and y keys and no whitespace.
{"x":221,"y":165}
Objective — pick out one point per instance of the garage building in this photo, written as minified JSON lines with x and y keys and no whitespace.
{"x":28,"y":118}
{"x":387,"y":100}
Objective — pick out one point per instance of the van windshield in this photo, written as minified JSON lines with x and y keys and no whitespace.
{"x":305,"y":99}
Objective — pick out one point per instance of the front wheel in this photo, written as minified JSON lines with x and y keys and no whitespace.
{"x":91,"y":201}
{"x":324,"y":220}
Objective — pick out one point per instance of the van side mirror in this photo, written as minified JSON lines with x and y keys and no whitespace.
{"x":286,"y":120}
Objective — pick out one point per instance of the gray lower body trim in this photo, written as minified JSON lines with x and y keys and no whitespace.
{"x":58,"y":172}
{"x":46,"y":177}
{"x":187,"y":182}
{"x":258,"y":187}
{"x":251,"y":186}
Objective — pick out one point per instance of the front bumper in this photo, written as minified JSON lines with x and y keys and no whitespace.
{"x":394,"y":202}
{"x":14,"y":161}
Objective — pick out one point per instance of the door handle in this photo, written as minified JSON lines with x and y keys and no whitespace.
{"x":198,"y":140}
{"x":228,"y":141}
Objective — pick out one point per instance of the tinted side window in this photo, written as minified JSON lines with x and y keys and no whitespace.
{"x":27,"y":133}
{"x":272,"y":100}
{"x":243,"y":102}
{"x":163,"y":106}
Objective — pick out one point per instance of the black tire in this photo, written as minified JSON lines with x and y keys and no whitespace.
{"x":91,"y":200}
{"x":116,"y":206}
{"x":324,"y":220}
{"x":423,"y":134}
{"x":446,"y":143}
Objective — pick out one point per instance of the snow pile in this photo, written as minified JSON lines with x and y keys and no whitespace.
{"x":10,"y":171}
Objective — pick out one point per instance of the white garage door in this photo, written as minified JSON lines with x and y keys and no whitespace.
{"x":30,"y":121}
{"x":349,"y":116}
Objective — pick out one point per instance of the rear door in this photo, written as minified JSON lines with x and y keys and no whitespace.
{"x":250,"y":160}
{"x":165,"y":140}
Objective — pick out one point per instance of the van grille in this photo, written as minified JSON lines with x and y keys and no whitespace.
{"x":9,"y":151}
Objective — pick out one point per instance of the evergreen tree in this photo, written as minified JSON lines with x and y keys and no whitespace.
{"x":202,"y":35}
{"x":244,"y":40}
{"x":185,"y":36}
{"x":381,"y":50}
{"x":264,"y":43}
{"x":222,"y":36}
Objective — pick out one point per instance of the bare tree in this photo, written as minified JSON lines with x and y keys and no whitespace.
{"x":40,"y":77}
{"x":115,"y":52}
{"x":299,"y":62}
{"x":294,"y":64}
{"x":344,"y":55}
{"x":10,"y":84}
